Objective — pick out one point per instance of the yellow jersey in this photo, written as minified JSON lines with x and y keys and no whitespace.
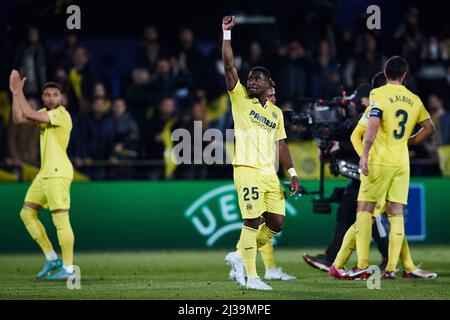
{"x":399,"y":110}
{"x":364,"y":120}
{"x":256,"y":129}
{"x":54,"y":139}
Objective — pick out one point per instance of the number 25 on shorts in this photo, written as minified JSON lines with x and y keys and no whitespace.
{"x":251,"y":193}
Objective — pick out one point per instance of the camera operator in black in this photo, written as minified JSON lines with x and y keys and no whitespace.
{"x":346,"y":213}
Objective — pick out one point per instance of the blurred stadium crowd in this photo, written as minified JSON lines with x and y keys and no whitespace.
{"x":123,"y":118}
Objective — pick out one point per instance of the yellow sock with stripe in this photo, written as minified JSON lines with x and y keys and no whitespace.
{"x":347,"y":247}
{"x":363,"y":237}
{"x":65,"y":237}
{"x":248,"y":250}
{"x":396,"y":236}
{"x":264,"y":235}
{"x":405,"y":257}
{"x":266,"y":252}
{"x":37,"y":231}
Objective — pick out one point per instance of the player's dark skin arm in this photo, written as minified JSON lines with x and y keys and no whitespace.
{"x":274,"y":221}
{"x":286,"y":161}
{"x":371,"y":134}
{"x":231,"y":74}
{"x":428,"y":129}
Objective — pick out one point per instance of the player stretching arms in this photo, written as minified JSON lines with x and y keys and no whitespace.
{"x":266,"y":251}
{"x":384,"y":163}
{"x":51,"y":187}
{"x":258,"y":124}
{"x":410,"y":270}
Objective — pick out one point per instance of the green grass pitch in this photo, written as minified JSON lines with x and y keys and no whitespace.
{"x":184,"y":275}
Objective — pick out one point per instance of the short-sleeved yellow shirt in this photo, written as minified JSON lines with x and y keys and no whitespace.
{"x":54,"y":139}
{"x":257,"y":128}
{"x":399,"y":110}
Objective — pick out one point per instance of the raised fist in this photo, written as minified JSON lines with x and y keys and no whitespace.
{"x":227,"y":22}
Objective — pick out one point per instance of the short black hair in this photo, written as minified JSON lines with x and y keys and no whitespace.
{"x":51,"y":84}
{"x":395,"y":67}
{"x":378,"y":80}
{"x":263,"y":70}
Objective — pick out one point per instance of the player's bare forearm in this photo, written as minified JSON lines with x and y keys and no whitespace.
{"x":428,"y":129}
{"x":364,"y":162}
{"x":16,"y":85}
{"x":285,"y":155}
{"x":366,"y":147}
{"x":23,"y":112}
{"x":371,"y":134}
{"x":18,"y":117}
{"x":286,"y":161}
{"x":227,"y":55}
{"x":29,"y":113}
{"x":231,"y":75}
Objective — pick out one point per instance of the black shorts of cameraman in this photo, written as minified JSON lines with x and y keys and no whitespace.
{"x":346,"y":217}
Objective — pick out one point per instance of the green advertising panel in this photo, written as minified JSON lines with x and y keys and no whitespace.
{"x":200,"y":214}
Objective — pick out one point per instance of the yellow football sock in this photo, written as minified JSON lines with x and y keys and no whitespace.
{"x":347,"y":247}
{"x":405,"y":257}
{"x":264,"y":235}
{"x":363,"y":237}
{"x":396,"y":235}
{"x":36,"y":229}
{"x":266,"y":252}
{"x":65,"y":236}
{"x":248,"y":250}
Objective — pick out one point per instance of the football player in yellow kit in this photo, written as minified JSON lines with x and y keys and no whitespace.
{"x":266,"y":251}
{"x":410,"y":270}
{"x":259,"y":139}
{"x":51,"y":187}
{"x":394,"y":112}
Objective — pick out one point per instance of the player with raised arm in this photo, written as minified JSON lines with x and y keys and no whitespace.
{"x":272,"y":271}
{"x":51,"y":187}
{"x":259,"y":128}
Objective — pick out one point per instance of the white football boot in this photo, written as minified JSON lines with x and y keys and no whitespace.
{"x":278,"y":274}
{"x":237,"y":272}
{"x":255,"y":283}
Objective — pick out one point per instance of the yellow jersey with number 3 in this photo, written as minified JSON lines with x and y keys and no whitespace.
{"x":399,"y":110}
{"x":54,"y":139}
{"x":256,"y":129}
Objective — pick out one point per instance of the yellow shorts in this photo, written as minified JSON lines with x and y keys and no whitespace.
{"x":258,"y":192}
{"x":52,"y":193}
{"x":390,"y":183}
